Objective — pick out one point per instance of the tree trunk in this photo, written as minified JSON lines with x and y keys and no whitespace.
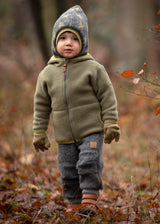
{"x":37,"y":15}
{"x":63,"y":5}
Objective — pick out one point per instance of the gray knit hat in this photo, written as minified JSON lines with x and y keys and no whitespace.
{"x":73,"y":19}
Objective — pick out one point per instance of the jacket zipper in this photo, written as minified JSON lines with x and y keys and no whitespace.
{"x":66,"y":100}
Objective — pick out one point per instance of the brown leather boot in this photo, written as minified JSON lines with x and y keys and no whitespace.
{"x":72,"y":208}
{"x":89,"y":204}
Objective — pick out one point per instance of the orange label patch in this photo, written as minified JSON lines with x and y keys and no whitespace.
{"x":93,"y":145}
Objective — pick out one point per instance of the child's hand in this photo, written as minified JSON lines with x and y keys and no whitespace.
{"x":111,"y":132}
{"x":41,"y":141}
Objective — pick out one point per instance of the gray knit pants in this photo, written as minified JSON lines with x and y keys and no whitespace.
{"x":81,"y":167}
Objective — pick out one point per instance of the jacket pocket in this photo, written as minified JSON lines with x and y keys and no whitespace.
{"x":85,"y":120}
{"x":61,"y":126}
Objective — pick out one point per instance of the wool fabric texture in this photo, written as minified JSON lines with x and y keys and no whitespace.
{"x":85,"y":85}
{"x":74,"y":18}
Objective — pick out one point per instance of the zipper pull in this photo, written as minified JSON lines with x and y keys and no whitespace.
{"x":64,"y":67}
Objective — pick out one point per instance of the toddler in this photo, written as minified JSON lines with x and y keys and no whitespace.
{"x":78,"y":92}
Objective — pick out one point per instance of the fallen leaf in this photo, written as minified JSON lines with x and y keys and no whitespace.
{"x":127,"y":73}
{"x":153,"y":73}
{"x":145,"y":64}
{"x":9,"y":180}
{"x":157,"y":27}
{"x":36,"y":204}
{"x":120,"y":217}
{"x":157,"y":111}
{"x":137,"y":221}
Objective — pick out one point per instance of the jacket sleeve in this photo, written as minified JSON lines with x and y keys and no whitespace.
{"x":42,"y":105}
{"x":106,"y":95}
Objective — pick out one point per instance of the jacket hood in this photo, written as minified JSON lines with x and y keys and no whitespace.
{"x":74,"y":18}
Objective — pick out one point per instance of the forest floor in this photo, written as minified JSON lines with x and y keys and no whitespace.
{"x":30,"y":184}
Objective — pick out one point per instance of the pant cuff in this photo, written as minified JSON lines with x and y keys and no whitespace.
{"x":90,"y":191}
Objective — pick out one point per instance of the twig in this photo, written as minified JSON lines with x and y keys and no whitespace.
{"x":37,"y":215}
{"x":140,"y":94}
{"x":148,"y":81}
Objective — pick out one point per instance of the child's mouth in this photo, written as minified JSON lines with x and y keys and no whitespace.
{"x":68,"y":50}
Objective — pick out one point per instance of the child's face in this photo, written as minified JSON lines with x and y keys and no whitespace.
{"x":68,"y":45}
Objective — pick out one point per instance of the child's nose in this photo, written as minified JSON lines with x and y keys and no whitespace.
{"x":69,"y":42}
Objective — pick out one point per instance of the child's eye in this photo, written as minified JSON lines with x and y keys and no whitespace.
{"x":62,"y":38}
{"x":75,"y":38}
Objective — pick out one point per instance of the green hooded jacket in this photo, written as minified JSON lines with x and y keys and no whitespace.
{"x":81,"y":97}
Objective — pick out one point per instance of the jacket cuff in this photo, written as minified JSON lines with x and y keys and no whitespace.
{"x":39,"y":131}
{"x":110,"y":122}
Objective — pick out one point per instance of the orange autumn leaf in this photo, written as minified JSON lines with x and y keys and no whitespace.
{"x":127,"y":74}
{"x":36,"y":203}
{"x":145,"y":64}
{"x":157,"y":27}
{"x":158,"y":13}
{"x":157,"y":111}
{"x":120,"y":217}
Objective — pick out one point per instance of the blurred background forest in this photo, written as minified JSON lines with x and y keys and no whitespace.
{"x":122,"y":37}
